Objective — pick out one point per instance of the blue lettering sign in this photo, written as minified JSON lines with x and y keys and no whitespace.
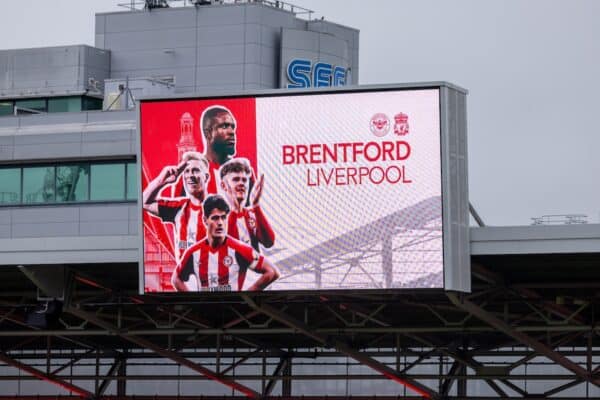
{"x":323,"y":74}
{"x":298,"y":72}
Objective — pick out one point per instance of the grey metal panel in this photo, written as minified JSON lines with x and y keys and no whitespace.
{"x":252,"y":53}
{"x":221,"y":74}
{"x":47,"y":146}
{"x":457,"y":260}
{"x":45,"y":214}
{"x":99,"y":25}
{"x":99,"y":41}
{"x":526,"y":240}
{"x":333,"y":46}
{"x":269,"y":56}
{"x":296,"y":39}
{"x":496,"y":234}
{"x":253,"y":14}
{"x":220,"y":34}
{"x":220,"y":55}
{"x":93,"y":228}
{"x":269,"y":76}
{"x":46,"y":57}
{"x":252,"y":74}
{"x":218,"y":88}
{"x":8,"y":122}
{"x":133,"y":219}
{"x":252,"y":33}
{"x":107,"y":143}
{"x":50,"y":70}
{"x":270,"y":36}
{"x":69,"y":250}
{"x":5,"y":223}
{"x":55,"y":138}
{"x":54,"y":119}
{"x":219,"y":15}
{"x":108,"y":212}
{"x":156,"y":58}
{"x":116,"y":115}
{"x":154,"y":39}
{"x":49,"y":229}
{"x":7,"y":148}
{"x":45,"y":222}
{"x":147,"y":21}
{"x":276,"y":17}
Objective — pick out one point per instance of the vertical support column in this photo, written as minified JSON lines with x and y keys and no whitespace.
{"x":398,"y":360}
{"x":441,"y":375}
{"x":264,"y":371}
{"x":97,"y":381}
{"x":318,"y":274}
{"x":387,"y":260}
{"x":48,"y":354}
{"x":461,"y":383}
{"x":286,"y":384}
{"x":122,"y":383}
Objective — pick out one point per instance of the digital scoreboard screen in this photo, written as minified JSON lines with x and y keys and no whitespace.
{"x":288,"y":192}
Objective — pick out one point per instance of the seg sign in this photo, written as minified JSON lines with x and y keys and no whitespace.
{"x":303,"y":73}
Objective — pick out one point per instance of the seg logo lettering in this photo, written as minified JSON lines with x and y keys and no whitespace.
{"x":303,"y":74}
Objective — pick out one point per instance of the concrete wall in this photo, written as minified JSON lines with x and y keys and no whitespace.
{"x":63,"y":136}
{"x":208,"y":48}
{"x":51,"y":71}
{"x":76,"y":233}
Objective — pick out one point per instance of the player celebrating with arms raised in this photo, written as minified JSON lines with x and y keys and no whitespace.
{"x":185,"y":213}
{"x":248,"y":224}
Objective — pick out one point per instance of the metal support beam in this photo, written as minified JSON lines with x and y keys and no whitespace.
{"x":541,"y":348}
{"x":344,"y":349}
{"x":278,"y":371}
{"x":104,"y":385}
{"x":122,"y":370}
{"x":45,"y":377}
{"x":164,"y":352}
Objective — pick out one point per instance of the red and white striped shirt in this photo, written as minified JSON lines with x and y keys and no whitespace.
{"x":187,"y":220}
{"x":221,"y":268}
{"x":250,"y":226}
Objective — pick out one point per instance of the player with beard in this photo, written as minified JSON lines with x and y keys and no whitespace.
{"x":185,"y":212}
{"x":219,"y":261}
{"x":219,"y":135}
{"x":246,"y":223}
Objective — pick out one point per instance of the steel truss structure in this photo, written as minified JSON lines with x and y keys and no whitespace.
{"x":521,"y":333}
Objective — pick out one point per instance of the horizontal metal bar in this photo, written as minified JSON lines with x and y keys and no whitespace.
{"x":291,"y":377}
{"x":287,"y":331}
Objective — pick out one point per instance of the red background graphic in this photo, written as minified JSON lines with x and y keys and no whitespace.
{"x":161,"y":131}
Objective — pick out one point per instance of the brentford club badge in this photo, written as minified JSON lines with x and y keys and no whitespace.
{"x":380,"y":124}
{"x":251,"y":220}
{"x":227,"y":261}
{"x":401,"y":124}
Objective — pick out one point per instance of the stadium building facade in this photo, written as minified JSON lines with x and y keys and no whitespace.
{"x":70,"y":313}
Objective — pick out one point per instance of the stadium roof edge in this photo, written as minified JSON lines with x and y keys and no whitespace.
{"x":539,"y":239}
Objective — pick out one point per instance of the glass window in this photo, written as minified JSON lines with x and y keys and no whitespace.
{"x":64,"y":104}
{"x":6,"y":108}
{"x":31,"y":104}
{"x":38,"y":185}
{"x":10,"y":185}
{"x":107,"y":182}
{"x":132,"y":181}
{"x":72,"y":182}
{"x":91,"y":103}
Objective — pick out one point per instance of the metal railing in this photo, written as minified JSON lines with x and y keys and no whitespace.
{"x":139,"y":5}
{"x":560,"y":219}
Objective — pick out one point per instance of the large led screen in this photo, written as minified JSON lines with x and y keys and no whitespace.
{"x":292,"y":192}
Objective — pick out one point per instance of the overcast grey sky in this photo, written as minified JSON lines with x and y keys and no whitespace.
{"x":531,"y":68}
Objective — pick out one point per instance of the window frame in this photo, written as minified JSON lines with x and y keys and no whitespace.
{"x":66,"y":163}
